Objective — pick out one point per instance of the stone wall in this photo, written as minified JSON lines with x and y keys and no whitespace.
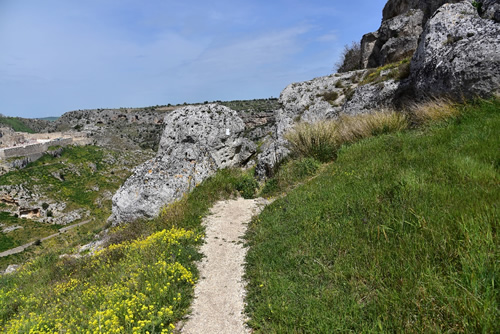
{"x":33,"y":149}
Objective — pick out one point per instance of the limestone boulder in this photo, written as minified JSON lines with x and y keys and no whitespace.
{"x":490,"y":9}
{"x":370,"y":97}
{"x":196,"y":142}
{"x":458,"y":55}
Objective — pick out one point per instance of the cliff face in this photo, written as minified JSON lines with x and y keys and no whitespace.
{"x":397,"y":38}
{"x":403,"y":22}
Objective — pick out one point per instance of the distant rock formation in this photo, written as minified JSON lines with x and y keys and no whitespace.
{"x":130,"y":129}
{"x":196,"y":142}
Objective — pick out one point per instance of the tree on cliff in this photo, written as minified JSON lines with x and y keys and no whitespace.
{"x":350,"y":58}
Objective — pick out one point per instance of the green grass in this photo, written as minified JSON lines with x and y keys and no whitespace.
{"x":16,"y":124}
{"x":145,"y":275}
{"x":397,"y":71}
{"x":399,"y":234}
{"x":76,"y":185}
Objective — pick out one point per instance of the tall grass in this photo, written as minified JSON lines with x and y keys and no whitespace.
{"x":322,"y":140}
{"x":399,"y":234}
{"x":318,"y":140}
{"x":433,"y":110}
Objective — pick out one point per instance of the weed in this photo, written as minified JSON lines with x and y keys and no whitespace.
{"x":247,"y":186}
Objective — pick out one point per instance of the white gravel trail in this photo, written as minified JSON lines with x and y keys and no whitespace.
{"x":219,"y":294}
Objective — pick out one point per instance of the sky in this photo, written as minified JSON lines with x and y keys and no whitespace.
{"x":63,"y":55}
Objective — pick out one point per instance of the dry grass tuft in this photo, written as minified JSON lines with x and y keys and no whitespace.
{"x":353,"y":128}
{"x":317,"y":140}
{"x":321,"y":140}
{"x":433,"y":110}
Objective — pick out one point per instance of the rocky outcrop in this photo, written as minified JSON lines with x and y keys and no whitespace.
{"x":398,"y":35}
{"x":309,"y":101}
{"x":129,"y":129}
{"x":459,"y":54}
{"x":395,"y":8}
{"x":396,"y":39}
{"x":369,"y":97}
{"x":32,"y":204}
{"x":196,"y":142}
{"x":490,"y":9}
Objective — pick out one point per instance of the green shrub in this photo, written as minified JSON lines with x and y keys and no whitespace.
{"x":329,"y":97}
{"x":247,"y":186}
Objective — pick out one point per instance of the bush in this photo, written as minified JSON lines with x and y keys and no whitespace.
{"x":247,"y":186}
{"x":329,"y":97}
{"x":45,"y":206}
{"x":350,"y":58}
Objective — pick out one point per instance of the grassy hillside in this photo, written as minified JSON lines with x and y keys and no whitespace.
{"x":143,"y":282}
{"x":82,"y":177}
{"x":399,"y":234}
{"x":16,"y":124}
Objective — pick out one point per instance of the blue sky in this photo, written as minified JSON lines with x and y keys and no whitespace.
{"x":62,"y":55}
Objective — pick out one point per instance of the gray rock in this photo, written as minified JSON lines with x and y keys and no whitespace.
{"x":12,"y":268}
{"x":372,"y":96}
{"x":310,"y":101}
{"x":397,"y":38}
{"x":491,"y":10}
{"x":458,"y":55}
{"x":274,"y":152}
{"x":196,"y":142}
{"x":398,"y":35}
{"x":398,"y":7}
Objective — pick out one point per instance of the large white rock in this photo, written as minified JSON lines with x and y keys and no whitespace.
{"x":196,"y":142}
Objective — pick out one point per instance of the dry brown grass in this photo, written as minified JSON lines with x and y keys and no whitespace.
{"x":353,"y":128}
{"x":433,"y":110}
{"x":317,"y":140}
{"x":321,"y":140}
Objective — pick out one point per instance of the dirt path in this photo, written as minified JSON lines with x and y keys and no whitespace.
{"x":219,"y":294}
{"x":21,"y":248}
